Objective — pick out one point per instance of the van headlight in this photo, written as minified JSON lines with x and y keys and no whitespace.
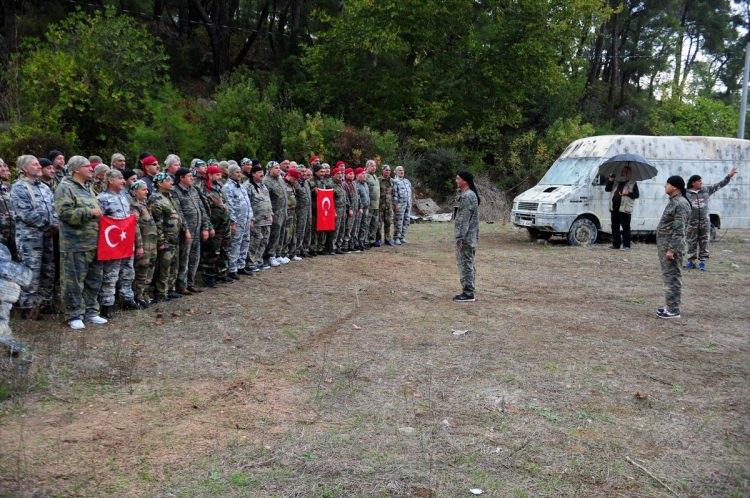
{"x":546,"y":208}
{"x":515,"y":206}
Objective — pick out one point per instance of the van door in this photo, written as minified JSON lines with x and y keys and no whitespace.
{"x":599,"y":200}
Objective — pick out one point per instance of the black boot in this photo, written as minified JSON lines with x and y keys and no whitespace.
{"x":131,"y":305}
{"x":106,"y":311}
{"x":210,"y":281}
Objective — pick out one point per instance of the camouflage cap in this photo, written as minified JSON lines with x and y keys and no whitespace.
{"x":161,"y":176}
{"x":138,"y":184}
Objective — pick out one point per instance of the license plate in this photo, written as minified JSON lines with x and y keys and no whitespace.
{"x":525,"y":223}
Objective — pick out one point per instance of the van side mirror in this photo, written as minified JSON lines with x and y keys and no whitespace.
{"x":599,"y":180}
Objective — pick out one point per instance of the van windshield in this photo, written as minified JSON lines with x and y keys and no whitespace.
{"x":571,"y":171}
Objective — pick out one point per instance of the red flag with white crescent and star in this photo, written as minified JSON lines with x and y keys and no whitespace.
{"x":326,"y":211}
{"x":116,"y":238}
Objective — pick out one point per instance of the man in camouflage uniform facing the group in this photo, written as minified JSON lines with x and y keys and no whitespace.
{"x":7,"y":217}
{"x":169,"y":228}
{"x":36,"y":223}
{"x":80,"y":272}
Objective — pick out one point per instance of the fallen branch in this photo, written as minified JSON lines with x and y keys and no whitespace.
{"x":657,"y":379}
{"x":652,"y":476}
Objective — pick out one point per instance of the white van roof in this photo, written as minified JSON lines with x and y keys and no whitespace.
{"x":650,"y":147}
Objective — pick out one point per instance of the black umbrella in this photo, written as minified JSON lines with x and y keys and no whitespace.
{"x":640,"y":169}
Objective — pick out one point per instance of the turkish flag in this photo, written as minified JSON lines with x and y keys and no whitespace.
{"x":326,"y":211}
{"x":116,"y":238}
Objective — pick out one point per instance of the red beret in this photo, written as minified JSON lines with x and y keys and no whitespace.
{"x":337,"y":170}
{"x":293,"y":173}
{"x":340,"y":164}
{"x":314,"y":158}
{"x":149,"y":160}
{"x":212,"y":170}
{"x":349,"y":170}
{"x":359,"y":170}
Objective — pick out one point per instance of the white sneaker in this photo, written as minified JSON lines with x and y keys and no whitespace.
{"x":76,"y":324}
{"x":274,"y":262}
{"x":296,"y":258}
{"x":284,"y":260}
{"x":96,"y":320}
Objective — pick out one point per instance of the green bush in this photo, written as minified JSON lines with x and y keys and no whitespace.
{"x":28,"y":139}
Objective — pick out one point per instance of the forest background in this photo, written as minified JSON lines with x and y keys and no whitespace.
{"x":499,"y":87}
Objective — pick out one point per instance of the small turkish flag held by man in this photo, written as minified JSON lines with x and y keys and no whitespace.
{"x":326,"y":211}
{"x":116,"y":238}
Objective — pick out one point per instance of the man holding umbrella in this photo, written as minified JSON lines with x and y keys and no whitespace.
{"x":624,"y":194}
{"x":622,"y":172}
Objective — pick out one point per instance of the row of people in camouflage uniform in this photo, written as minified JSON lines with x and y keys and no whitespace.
{"x":222,"y":218}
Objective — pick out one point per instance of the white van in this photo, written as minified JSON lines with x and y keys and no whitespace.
{"x":570,"y":199}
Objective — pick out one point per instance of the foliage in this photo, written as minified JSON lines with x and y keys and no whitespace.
{"x":90,"y":77}
{"x":305,"y":135}
{"x":704,"y":117}
{"x":29,"y":139}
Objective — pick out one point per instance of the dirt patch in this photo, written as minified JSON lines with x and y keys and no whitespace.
{"x":342,"y":376}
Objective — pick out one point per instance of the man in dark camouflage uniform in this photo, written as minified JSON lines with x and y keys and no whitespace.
{"x":351,"y":215}
{"x":215,"y":250}
{"x":277,"y":190}
{"x":197,"y":223}
{"x":341,"y":202}
{"x":169,"y":229}
{"x":7,"y":217}
{"x":80,"y":272}
{"x":385,"y":224}
{"x":146,"y":237}
{"x":58,"y":161}
{"x":291,"y":177}
{"x":303,"y":214}
{"x":670,"y":242}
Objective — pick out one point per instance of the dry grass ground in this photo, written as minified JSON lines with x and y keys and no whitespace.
{"x":342,"y":377}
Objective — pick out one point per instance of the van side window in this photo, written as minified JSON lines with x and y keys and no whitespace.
{"x":599,"y":180}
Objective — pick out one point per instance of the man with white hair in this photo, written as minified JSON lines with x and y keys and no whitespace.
{"x":36,"y":224}
{"x":173,"y":163}
{"x":80,"y":272}
{"x":373,"y":213}
{"x":118,"y":161}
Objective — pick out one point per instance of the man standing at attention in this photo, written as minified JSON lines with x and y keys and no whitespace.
{"x":466,"y":233}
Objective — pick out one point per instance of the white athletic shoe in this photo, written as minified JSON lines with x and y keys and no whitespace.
{"x":274,"y":262}
{"x":284,"y":260}
{"x":76,"y":324}
{"x":296,"y":258}
{"x":97,"y":320}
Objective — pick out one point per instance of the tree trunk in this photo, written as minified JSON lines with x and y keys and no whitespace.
{"x":678,"y":52}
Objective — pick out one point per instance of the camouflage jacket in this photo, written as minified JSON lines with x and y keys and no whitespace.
{"x":672,"y":229}
{"x":194,"y":213}
{"x":352,"y":195}
{"x":145,"y":230}
{"x":386,"y":190}
{"x":98,"y":186}
{"x":304,"y":196}
{"x":33,"y":205}
{"x":115,"y":205}
{"x":402,"y":192}
{"x":219,"y":212}
{"x":52,"y":183}
{"x":291,"y":197}
{"x":364,"y":194}
{"x":340,"y":197}
{"x":260,"y":199}
{"x":373,"y":187}
{"x":167,"y":217}
{"x":466,"y":219}
{"x":238,"y":202}
{"x":79,"y":229}
{"x":699,"y":198}
{"x":199,"y":184}
{"x":7,"y":217}
{"x":277,"y":190}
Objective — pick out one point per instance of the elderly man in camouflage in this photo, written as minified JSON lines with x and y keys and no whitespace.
{"x":198,"y":223}
{"x":351,"y":215}
{"x":241,"y":213}
{"x":36,"y":223}
{"x":277,"y":191}
{"x":169,"y":229}
{"x":214,"y":252}
{"x":303,"y":213}
{"x":670,"y":242}
{"x":145,"y":243}
{"x":262,"y":214}
{"x":80,"y":273}
{"x":289,"y":244}
{"x":373,"y":212}
{"x":699,"y":228}
{"x":361,"y":232}
{"x":7,"y":216}
{"x":116,"y":272}
{"x":466,"y":233}
{"x":342,"y":204}
{"x":385,"y":223}
{"x":402,"y":201}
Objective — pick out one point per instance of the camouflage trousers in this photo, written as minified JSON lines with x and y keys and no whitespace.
{"x":338,"y":234}
{"x":36,"y":251}
{"x":144,"y":272}
{"x":385,"y":224}
{"x":258,"y":242}
{"x":239,"y":246}
{"x":401,"y":220}
{"x":289,"y":242}
{"x":698,"y":235}
{"x":373,"y":224}
{"x":302,"y":231}
{"x":167,"y":265}
{"x":349,"y":230}
{"x":80,"y":283}
{"x":190,"y":257}
{"x":215,"y":255}
{"x":672,"y":276}
{"x":323,"y":240}
{"x":113,"y":272}
{"x":275,"y":238}
{"x":363,"y":229}
{"x":466,"y":270}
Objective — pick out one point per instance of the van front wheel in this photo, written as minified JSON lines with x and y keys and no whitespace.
{"x":583,"y":232}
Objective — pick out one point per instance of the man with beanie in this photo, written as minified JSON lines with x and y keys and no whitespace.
{"x":238,"y":202}
{"x":7,"y":216}
{"x":35,"y":226}
{"x":198,"y":223}
{"x":386,"y":208}
{"x":373,"y":212}
{"x":277,"y":191}
{"x":80,"y":272}
{"x":116,"y":272}
{"x":671,"y":244}
{"x":466,"y":234}
{"x":58,"y":161}
{"x":48,"y":173}
{"x":169,"y":229}
{"x":260,"y":199}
